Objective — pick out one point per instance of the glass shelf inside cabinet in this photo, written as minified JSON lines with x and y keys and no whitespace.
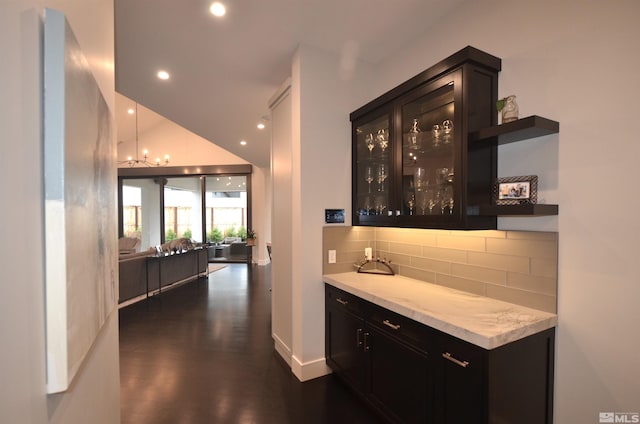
{"x":373,"y":166}
{"x":428,"y":155}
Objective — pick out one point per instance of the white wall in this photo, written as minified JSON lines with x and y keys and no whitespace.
{"x":323,"y":94}
{"x":184,"y":147}
{"x":574,"y":62}
{"x":261,"y":212}
{"x":94,"y":394}
{"x":281,"y":228}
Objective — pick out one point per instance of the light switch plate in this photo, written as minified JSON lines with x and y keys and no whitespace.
{"x":332,"y":257}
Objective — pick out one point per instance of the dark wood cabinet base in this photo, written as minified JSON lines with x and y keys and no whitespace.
{"x":412,"y":373}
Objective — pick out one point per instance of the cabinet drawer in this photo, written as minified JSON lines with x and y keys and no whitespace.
{"x":405,"y":329}
{"x":340,"y":299}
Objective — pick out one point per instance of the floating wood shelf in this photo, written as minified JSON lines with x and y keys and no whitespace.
{"x":521,"y":129}
{"x":517,"y":210}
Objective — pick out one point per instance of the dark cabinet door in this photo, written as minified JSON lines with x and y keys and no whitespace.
{"x":460,"y":391}
{"x":431,"y":152}
{"x":423,"y":173}
{"x":373,"y":181}
{"x":399,"y":379}
{"x":344,"y":335}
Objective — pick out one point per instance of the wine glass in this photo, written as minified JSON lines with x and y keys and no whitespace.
{"x":366,"y":208}
{"x":449,"y":177}
{"x":382,"y":175}
{"x":446,"y":200}
{"x":368,"y":176}
{"x":421,"y":200}
{"x":442,"y":174}
{"x":436,"y":133}
{"x":447,"y":130}
{"x":380,"y":205}
{"x":411,"y":201}
{"x":414,"y":136}
{"x":432,"y":199}
{"x":382,"y":137}
{"x":370,"y":142}
{"x":420,"y":178}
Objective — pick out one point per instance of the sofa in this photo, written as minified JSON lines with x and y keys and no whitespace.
{"x":230,"y":249}
{"x":145,"y":272}
{"x":236,"y":251}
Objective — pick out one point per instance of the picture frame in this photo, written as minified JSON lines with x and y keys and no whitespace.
{"x":516,"y":190}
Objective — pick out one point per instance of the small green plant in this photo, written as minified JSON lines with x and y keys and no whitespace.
{"x":231,"y":232}
{"x":215,"y":235}
{"x":170,"y":235}
{"x":251,"y":234}
{"x":187,"y":233}
{"x":242,"y":233}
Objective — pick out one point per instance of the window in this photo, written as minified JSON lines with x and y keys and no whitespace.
{"x":205,"y":207}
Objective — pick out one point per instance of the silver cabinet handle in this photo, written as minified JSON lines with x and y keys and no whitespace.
{"x":388,"y":324}
{"x":463,"y":364}
{"x":359,"y":342}
{"x":366,"y":342}
{"x":342,"y":302}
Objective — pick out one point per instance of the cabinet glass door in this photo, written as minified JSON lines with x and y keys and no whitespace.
{"x":430,"y":151}
{"x":373,"y":176}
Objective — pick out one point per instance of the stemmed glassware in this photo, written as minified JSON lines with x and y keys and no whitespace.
{"x":446,"y":200}
{"x":382,"y":137}
{"x":380,"y":205}
{"x":367,"y":206}
{"x":368,"y":176}
{"x":436,"y":133}
{"x":411,"y":201}
{"x":420,"y":179}
{"x":369,"y":142}
{"x":382,"y":175}
{"x":432,"y":199}
{"x":442,"y":175}
{"x":414,"y":136}
{"x":447,"y":130}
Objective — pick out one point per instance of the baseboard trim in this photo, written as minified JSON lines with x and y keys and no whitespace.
{"x":309,"y":370}
{"x":282,"y":349}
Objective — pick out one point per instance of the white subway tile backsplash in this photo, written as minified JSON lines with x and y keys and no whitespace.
{"x":467,"y":243}
{"x":515,"y":266}
{"x":485,"y":275}
{"x":464,"y":284}
{"x":503,"y":262}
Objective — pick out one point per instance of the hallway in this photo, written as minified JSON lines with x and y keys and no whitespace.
{"x":203,"y":353}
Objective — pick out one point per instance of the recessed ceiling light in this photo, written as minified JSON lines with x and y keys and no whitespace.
{"x":261,"y":126}
{"x":131,"y":111}
{"x":217,"y":9}
{"x":163,"y":75}
{"x":243,"y":142}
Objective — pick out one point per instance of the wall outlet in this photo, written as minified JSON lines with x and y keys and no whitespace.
{"x":368,"y":253}
{"x":332,"y":257}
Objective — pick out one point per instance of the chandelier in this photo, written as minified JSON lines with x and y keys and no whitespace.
{"x":145,"y":153}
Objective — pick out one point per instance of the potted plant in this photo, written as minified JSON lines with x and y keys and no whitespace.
{"x":251,"y":238}
{"x":508,"y":107}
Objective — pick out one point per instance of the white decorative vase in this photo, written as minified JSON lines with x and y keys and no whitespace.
{"x":510,"y":109}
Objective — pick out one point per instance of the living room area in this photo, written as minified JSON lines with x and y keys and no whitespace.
{"x":205,"y":208}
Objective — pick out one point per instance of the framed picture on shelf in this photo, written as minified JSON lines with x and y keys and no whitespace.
{"x":516,"y":190}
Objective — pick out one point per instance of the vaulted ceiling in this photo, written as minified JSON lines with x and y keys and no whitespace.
{"x":224,"y":70}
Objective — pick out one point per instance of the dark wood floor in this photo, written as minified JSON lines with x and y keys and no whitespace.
{"x":203,"y":353}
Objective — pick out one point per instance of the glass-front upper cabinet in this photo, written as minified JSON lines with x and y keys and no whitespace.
{"x":372,"y":179}
{"x":412,"y":162}
{"x":431,"y":151}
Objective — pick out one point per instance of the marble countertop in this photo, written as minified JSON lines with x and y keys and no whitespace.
{"x":485,"y":322}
